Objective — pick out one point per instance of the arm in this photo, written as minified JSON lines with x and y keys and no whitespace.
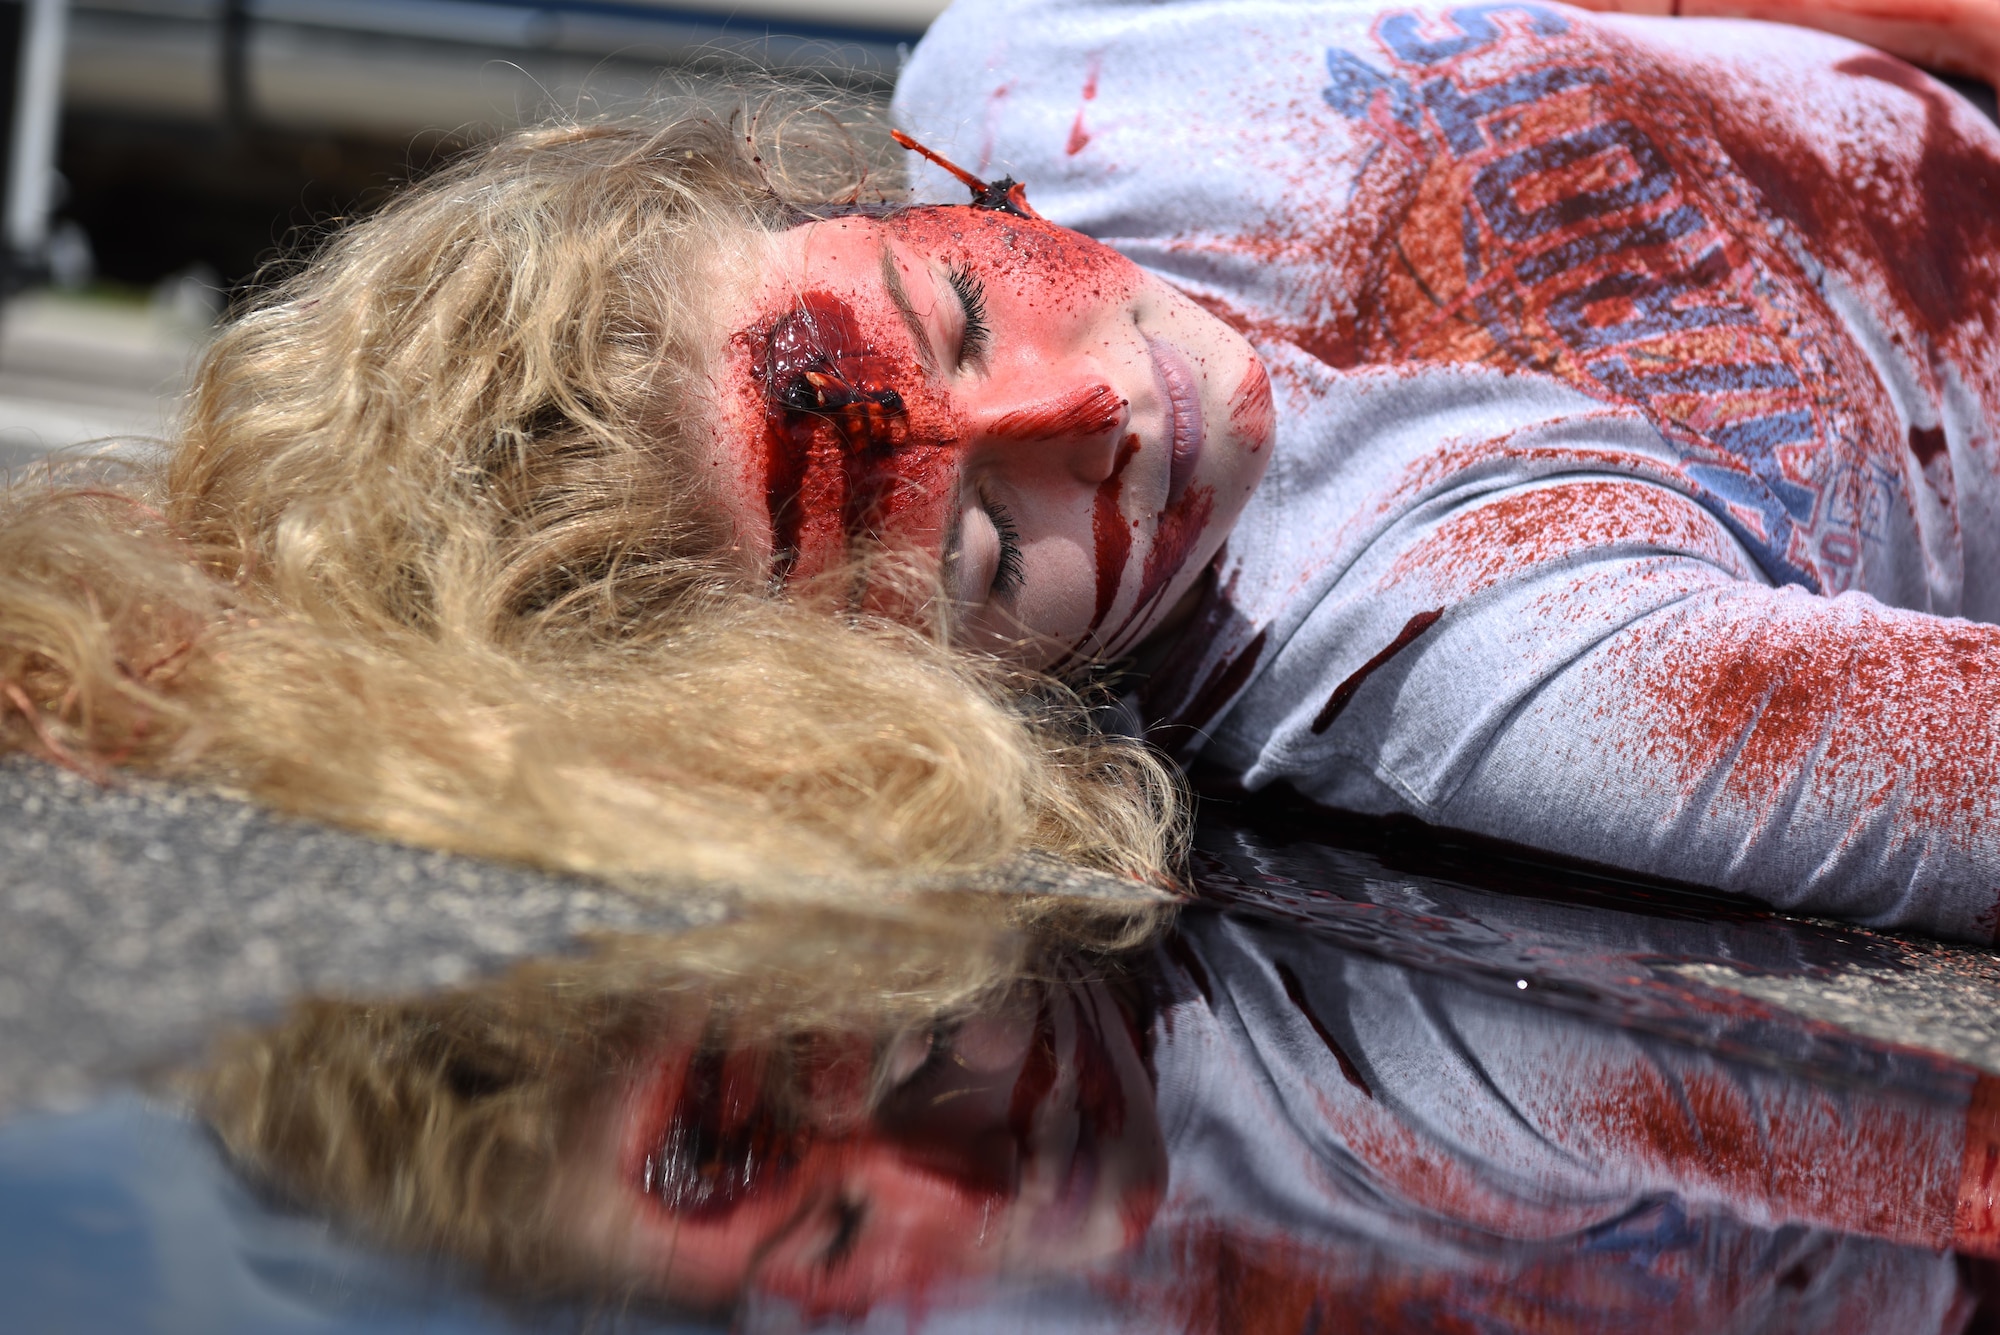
{"x":1959,"y":37}
{"x":1830,"y":756}
{"x":1607,"y":683}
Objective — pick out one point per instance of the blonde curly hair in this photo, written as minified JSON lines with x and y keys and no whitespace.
{"x":429,"y":558}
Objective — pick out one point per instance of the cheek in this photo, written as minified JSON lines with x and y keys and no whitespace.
{"x":1059,"y":586}
{"x":1063,"y":580}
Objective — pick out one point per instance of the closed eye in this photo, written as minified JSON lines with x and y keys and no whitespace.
{"x":978,"y":335}
{"x":983,"y":555}
{"x":1008,"y":570}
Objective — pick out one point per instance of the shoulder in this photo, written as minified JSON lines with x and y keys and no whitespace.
{"x":1004,"y":80}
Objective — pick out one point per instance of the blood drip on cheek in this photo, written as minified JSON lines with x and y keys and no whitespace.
{"x":840,"y":436}
{"x":1111,"y":532}
{"x":1174,"y":540}
{"x":1250,"y":408}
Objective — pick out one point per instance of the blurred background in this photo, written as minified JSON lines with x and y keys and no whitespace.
{"x":160,"y":152}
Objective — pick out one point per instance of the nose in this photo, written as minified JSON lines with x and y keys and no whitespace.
{"x":1083,"y":420}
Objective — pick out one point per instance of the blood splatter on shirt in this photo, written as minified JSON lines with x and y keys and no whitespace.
{"x":1662,"y":355}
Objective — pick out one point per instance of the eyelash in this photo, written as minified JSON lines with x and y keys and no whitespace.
{"x":971,"y":295}
{"x":1008,"y":570}
{"x":846,"y":1227}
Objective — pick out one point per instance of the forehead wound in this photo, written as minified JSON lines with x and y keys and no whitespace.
{"x":838,"y":434}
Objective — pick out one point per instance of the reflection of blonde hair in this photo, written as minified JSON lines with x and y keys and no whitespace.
{"x":429,"y":558}
{"x":441,"y":1123}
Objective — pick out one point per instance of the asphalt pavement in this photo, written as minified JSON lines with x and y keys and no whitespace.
{"x":136,"y":917}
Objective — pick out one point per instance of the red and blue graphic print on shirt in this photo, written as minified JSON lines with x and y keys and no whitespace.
{"x":1572,"y":212}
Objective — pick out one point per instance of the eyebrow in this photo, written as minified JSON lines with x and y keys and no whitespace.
{"x":901,"y":297}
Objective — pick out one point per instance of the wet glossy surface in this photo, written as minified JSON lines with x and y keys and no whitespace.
{"x":1405,"y":1084}
{"x":1711,"y":971}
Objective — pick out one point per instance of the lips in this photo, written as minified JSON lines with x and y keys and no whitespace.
{"x":1183,"y":395}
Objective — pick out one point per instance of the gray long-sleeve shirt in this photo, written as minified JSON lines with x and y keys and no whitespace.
{"x":1638,"y":386}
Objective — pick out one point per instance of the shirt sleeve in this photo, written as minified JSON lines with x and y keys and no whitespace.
{"x":1588,"y":664}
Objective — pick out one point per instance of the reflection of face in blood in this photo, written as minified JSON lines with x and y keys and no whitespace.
{"x":1068,"y":434}
{"x":1023,"y":1140}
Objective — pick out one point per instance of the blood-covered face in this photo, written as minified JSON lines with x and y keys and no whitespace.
{"x":1018,"y":1142}
{"x":1069,"y":435}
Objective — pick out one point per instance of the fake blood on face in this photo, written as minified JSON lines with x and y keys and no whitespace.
{"x":1250,"y":410}
{"x":844,"y":450}
{"x":1040,"y":273}
{"x":1035,"y":267}
{"x":718,"y":1142}
{"x":1089,"y":411}
{"x":1174,"y":540}
{"x":1111,"y":531}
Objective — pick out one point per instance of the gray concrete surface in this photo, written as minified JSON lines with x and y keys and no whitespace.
{"x":136,"y":917}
